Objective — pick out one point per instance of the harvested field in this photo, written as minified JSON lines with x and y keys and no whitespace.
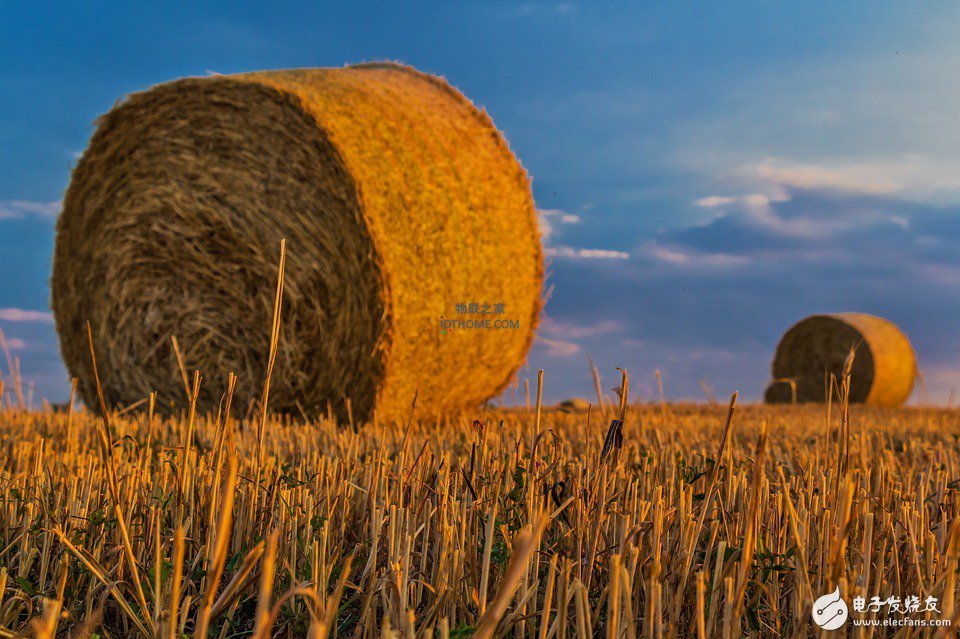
{"x":474,"y":528}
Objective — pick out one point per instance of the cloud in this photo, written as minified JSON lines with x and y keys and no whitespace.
{"x":549,"y":219}
{"x":915,"y":177}
{"x":872,"y":179}
{"x":714,"y":201}
{"x":559,"y":348}
{"x":569,"y":330}
{"x":688,"y":257}
{"x":757,"y":203}
{"x":569,"y":252}
{"x":562,"y":339}
{"x":15,"y":343}
{"x":15,"y":209}
{"x":21,"y":315}
{"x":773,"y":185}
{"x":758,"y":209}
{"x":789,"y":211}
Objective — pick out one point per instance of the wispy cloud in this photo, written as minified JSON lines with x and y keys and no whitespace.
{"x":562,"y":339}
{"x":689,"y":257}
{"x":751,"y":200}
{"x":569,"y":330}
{"x":550,"y":219}
{"x":866,"y":178}
{"x":853,"y":202}
{"x":772,"y":182}
{"x":569,"y":252}
{"x":912,"y":176}
{"x":713,"y":201}
{"x":559,"y":348}
{"x":15,"y":209}
{"x":21,"y":315}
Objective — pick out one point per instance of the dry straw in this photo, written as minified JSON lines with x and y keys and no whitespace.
{"x":814,"y":351}
{"x":398,"y":199}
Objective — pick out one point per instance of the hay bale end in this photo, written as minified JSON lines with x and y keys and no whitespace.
{"x":884,"y":366}
{"x":399,"y":201}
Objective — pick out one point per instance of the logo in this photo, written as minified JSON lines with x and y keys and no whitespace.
{"x":487,"y":317}
{"x":830,"y":611}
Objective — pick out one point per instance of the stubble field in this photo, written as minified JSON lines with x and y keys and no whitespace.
{"x":689,"y":521}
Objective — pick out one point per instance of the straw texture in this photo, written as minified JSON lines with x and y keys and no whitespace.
{"x":399,"y":201}
{"x":884,"y":367}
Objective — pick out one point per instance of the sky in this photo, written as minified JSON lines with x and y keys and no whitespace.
{"x":706,"y":176}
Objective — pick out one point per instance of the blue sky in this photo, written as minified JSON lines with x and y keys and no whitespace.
{"x":706,"y":175}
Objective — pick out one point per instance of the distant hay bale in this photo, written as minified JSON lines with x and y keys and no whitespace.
{"x":884,"y":367}
{"x":400,"y":203}
{"x":573,"y":405}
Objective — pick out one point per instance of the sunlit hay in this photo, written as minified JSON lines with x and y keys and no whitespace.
{"x":814,"y":350}
{"x":399,"y":201}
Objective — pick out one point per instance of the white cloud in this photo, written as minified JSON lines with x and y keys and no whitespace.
{"x":559,"y":348}
{"x":21,"y":315}
{"x":569,"y":252}
{"x":901,"y":221}
{"x":753,"y":200}
{"x":770,"y":182}
{"x":757,"y":210}
{"x":684,"y":256}
{"x":562,"y":334}
{"x":576,"y":331}
{"x":914,"y":177}
{"x":550,"y":218}
{"x":667,"y":254}
{"x":862,"y":178}
{"x":14,"y":209}
{"x":713,"y":201}
{"x":757,"y":206}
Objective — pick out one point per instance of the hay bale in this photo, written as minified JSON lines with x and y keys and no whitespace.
{"x":399,"y":200}
{"x":884,"y":367}
{"x":573,"y":405}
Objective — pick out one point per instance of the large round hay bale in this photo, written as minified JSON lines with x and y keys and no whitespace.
{"x":400,"y":203}
{"x":884,"y":366}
